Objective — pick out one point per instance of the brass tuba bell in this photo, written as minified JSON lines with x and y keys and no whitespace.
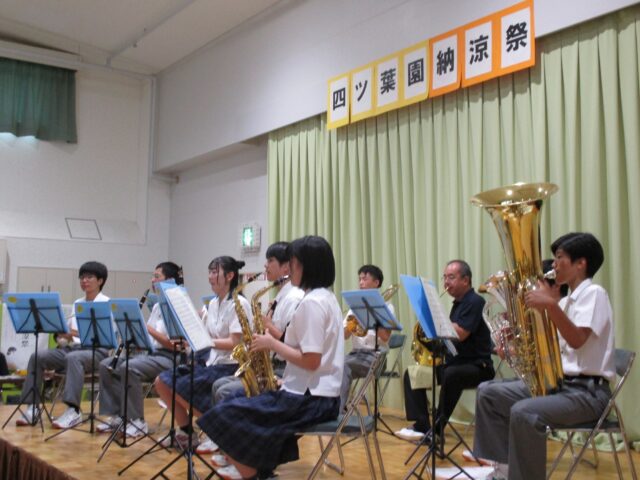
{"x":529,"y":338}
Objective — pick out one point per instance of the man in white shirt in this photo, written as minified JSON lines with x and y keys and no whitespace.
{"x":510,"y":424}
{"x":68,"y":357}
{"x":359,"y":360}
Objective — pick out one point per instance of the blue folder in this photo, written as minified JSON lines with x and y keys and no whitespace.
{"x":49,"y":309}
{"x":103,"y":331}
{"x":370,"y":309}
{"x":127,"y":311}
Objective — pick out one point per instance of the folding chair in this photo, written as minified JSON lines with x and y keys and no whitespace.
{"x":351,"y":424}
{"x":610,"y":422}
{"x":396,"y":343}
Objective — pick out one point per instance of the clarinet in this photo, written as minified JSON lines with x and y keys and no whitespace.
{"x":116,"y":357}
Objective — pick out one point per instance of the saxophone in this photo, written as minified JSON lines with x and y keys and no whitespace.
{"x":240,"y":352}
{"x":529,"y":338}
{"x":353,"y":325}
{"x":260,"y":362}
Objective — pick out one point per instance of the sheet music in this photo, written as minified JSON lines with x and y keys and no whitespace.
{"x":188,"y":316}
{"x":444,"y":327}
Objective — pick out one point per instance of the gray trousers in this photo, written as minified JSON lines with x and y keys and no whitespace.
{"x":356,"y":365}
{"x":511,"y":426}
{"x":225,"y":388}
{"x":142,"y":368}
{"x":72,"y":360}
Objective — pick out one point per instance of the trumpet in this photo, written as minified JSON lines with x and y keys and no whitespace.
{"x":353,"y":326}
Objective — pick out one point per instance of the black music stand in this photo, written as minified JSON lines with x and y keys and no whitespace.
{"x":436,"y":325}
{"x":95,"y":326}
{"x":35,"y":313}
{"x":183,"y":324}
{"x":133,"y":332}
{"x":371,"y":312}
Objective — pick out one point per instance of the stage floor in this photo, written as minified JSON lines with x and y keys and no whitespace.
{"x":76,"y":453}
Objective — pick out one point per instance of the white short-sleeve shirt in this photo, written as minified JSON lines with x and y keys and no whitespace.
{"x":368,"y":342}
{"x":221,"y":321}
{"x":288,"y":299}
{"x":589,"y":306}
{"x":73,"y":322}
{"x":156,"y":321}
{"x":316,"y":327}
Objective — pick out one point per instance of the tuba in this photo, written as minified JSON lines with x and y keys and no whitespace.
{"x":353,"y":325}
{"x":529,"y":338}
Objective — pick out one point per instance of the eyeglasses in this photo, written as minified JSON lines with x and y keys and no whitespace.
{"x":451,"y":276}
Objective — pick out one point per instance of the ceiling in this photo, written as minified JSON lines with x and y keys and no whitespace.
{"x":145,"y":36}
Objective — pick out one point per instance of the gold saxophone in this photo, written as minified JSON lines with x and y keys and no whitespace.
{"x":528,"y":337}
{"x":241,"y":351}
{"x":353,"y":325}
{"x":260,"y":362}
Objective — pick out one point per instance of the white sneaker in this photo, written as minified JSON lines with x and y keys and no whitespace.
{"x":207,"y":446}
{"x":27,"y":416}
{"x":109,"y":424}
{"x":229,"y":472}
{"x":219,"y":460}
{"x":409,"y":434}
{"x":137,"y":428}
{"x":500,"y":472}
{"x":68,"y":419}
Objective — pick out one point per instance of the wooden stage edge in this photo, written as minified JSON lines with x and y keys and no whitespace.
{"x":74,"y":454}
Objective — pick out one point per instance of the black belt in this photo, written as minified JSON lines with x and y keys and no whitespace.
{"x":597,"y":379}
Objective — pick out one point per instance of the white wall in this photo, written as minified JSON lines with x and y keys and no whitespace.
{"x":273,"y":70}
{"x":105,"y":176}
{"x":208,"y":206}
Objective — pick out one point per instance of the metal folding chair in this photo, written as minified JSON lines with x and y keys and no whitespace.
{"x":610,"y":422}
{"x":351,"y":424}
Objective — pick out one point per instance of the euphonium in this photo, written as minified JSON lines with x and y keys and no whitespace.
{"x":241,"y":351}
{"x":353,"y":325}
{"x":529,"y":338}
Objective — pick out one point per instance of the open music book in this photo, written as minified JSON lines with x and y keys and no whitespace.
{"x":184,"y":313}
{"x":425,"y":302}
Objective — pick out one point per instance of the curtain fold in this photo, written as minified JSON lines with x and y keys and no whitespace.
{"x":394,"y":190}
{"x":37,"y":100}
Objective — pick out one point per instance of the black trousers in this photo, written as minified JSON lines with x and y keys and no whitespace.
{"x":453,"y":379}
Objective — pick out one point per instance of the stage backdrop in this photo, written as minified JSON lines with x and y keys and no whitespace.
{"x":394,"y":190}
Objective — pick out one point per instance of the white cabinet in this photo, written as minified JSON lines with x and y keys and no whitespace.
{"x":62,"y":280}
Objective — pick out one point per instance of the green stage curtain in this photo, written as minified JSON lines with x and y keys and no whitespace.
{"x":37,"y":100}
{"x":394,"y":190}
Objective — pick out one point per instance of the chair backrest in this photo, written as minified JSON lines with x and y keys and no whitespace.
{"x":624,"y":361}
{"x":397,"y":340}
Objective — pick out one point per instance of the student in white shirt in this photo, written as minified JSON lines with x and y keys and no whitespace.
{"x":142,"y":368}
{"x":258,"y":433}
{"x":69,"y":355}
{"x":510,"y":424}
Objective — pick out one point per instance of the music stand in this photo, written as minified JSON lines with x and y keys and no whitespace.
{"x":35,"y":313}
{"x":183,"y":324}
{"x":133,"y":332}
{"x":425,"y":302}
{"x":95,"y":327}
{"x":371,"y":312}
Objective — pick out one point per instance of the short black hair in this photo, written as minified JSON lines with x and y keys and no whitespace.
{"x":94,"y":268}
{"x":279,"y":251}
{"x":228,"y":264}
{"x":171,"y":270}
{"x":373,"y":271}
{"x":318,"y":263}
{"x":463,"y":268}
{"x":581,"y":245}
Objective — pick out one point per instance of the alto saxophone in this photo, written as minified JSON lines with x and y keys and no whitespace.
{"x":240,"y":352}
{"x":529,"y":338}
{"x":353,"y":325}
{"x":261,"y":360}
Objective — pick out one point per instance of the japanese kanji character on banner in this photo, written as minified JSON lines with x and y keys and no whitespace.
{"x":444,"y":61}
{"x":517,"y":39}
{"x":414,"y":62}
{"x":362,"y":98}
{"x":388,"y":84}
{"x":338,"y":102}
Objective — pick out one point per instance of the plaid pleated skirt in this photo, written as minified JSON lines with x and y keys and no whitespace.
{"x":260,"y":431}
{"x":203,"y":378}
